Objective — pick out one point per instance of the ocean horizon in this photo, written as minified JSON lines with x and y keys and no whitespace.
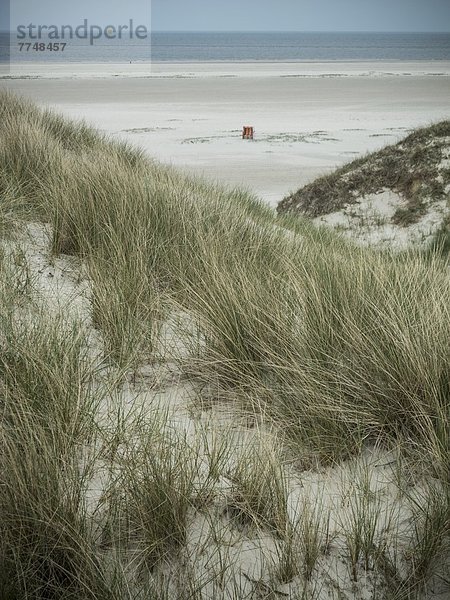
{"x":179,"y":46}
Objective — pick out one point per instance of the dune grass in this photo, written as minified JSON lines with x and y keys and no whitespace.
{"x":411,"y":167}
{"x":340,"y":347}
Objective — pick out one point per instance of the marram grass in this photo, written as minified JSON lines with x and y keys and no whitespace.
{"x":340,"y":347}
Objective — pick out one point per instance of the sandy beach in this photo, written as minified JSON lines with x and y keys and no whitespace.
{"x":308,"y":117}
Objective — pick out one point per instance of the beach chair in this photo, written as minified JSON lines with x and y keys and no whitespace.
{"x":247,"y":132}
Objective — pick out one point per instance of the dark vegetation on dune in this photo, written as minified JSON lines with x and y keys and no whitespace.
{"x":410,"y":168}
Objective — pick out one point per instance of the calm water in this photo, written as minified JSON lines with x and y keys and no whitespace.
{"x":299,"y":46}
{"x":191,"y":47}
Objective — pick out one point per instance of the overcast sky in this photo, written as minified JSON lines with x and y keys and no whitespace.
{"x":302,"y":15}
{"x":243,"y":15}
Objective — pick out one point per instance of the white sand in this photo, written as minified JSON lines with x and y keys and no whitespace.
{"x":234,"y":69}
{"x":309,"y":117}
{"x":368,"y":221}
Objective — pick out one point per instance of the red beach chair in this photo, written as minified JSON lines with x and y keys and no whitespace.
{"x":247,"y":132}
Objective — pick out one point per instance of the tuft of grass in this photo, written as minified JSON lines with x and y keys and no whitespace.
{"x":161,"y":483}
{"x":362,"y":525}
{"x":47,"y":549}
{"x":259,"y":490}
{"x":431,"y":541}
{"x":303,"y":543}
{"x":126,"y":307}
{"x":45,"y":364}
{"x":409,"y":214}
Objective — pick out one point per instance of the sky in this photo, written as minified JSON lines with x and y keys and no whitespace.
{"x":242,"y":15}
{"x":302,"y":15}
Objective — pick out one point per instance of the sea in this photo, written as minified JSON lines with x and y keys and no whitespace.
{"x":181,"y":47}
